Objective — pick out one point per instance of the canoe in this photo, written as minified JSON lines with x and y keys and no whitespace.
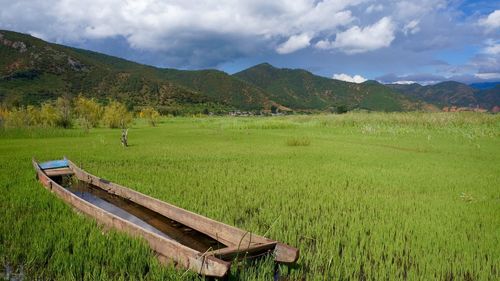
{"x":176,"y":235}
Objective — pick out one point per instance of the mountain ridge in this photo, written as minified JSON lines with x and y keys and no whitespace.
{"x":451,"y":93}
{"x":297,"y":87}
{"x":33,"y":71}
{"x":484,"y":85}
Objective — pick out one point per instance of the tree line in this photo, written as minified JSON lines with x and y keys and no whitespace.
{"x":66,"y":113}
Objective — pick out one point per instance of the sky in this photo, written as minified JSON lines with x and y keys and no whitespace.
{"x":425,"y":41}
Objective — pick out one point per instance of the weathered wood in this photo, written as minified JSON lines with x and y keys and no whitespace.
{"x":124,"y":138}
{"x":239,"y":242}
{"x":58,"y":172}
{"x":183,"y":255}
{"x":285,"y":253}
{"x":230,"y":253}
{"x":227,"y":235}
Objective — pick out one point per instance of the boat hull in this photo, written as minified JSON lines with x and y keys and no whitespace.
{"x":210,"y":263}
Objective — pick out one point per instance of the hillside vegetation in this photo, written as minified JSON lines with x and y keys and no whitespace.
{"x":452,"y":93}
{"x":39,"y":71}
{"x":297,"y":88}
{"x":32,"y":71}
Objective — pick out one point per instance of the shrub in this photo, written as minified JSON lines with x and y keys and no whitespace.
{"x":45,"y":116}
{"x":17,"y":118}
{"x":116,"y":115}
{"x":341,"y":109}
{"x":151,"y":115}
{"x":88,"y":111}
{"x":34,"y":117}
{"x":49,"y":117}
{"x":4,"y":113}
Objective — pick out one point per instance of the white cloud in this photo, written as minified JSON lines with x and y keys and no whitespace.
{"x":492,"y":48}
{"x":411,"y":27}
{"x":348,"y":78}
{"x":423,"y":83}
{"x":404,"y":82}
{"x":374,"y":8}
{"x":294,"y":43}
{"x":325,"y":16}
{"x":37,"y":35}
{"x":492,"y":21}
{"x":359,"y":40}
{"x":488,"y":76}
{"x":167,"y":24}
{"x":420,"y":78}
{"x":416,"y":9}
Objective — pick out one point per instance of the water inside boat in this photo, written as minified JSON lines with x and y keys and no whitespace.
{"x":139,"y":215}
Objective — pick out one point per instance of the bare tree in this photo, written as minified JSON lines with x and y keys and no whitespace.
{"x":124,"y":137}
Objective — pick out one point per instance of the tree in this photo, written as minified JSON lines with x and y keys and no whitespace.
{"x":89,"y":112}
{"x":63,"y":106}
{"x":150,"y":114}
{"x":116,"y":115}
{"x":341,"y":109}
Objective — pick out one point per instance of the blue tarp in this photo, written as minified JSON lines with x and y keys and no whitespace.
{"x":54,"y":164}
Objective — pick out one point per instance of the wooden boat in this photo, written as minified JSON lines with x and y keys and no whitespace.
{"x":176,"y":235}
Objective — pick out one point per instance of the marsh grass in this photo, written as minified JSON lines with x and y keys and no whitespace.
{"x":376,"y":196}
{"x":298,"y":141}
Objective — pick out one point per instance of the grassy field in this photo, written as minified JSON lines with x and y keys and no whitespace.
{"x":364,"y":196}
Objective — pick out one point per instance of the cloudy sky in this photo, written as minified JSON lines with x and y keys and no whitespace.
{"x":424,"y":41}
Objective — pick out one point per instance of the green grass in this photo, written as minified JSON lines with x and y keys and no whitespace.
{"x":380,"y":196}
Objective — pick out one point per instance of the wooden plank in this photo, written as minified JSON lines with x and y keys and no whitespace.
{"x":58,"y":172}
{"x":285,"y":253}
{"x":230,"y":253}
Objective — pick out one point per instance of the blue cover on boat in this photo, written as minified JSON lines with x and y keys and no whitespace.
{"x":54,"y":164}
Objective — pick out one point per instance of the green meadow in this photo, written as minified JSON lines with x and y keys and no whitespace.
{"x":364,"y":196}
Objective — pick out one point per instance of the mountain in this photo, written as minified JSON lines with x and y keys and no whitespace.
{"x":219,"y":86}
{"x":484,"y":85}
{"x":300,"y":89}
{"x":444,"y":93}
{"x":451,"y":93}
{"x":33,"y":71}
{"x":489,"y":98}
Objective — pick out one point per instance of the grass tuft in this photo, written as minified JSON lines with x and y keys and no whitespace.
{"x":298,"y":141}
